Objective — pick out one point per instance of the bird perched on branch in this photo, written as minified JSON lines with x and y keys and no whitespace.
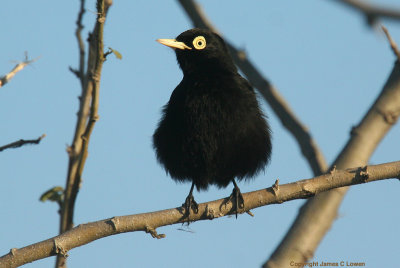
{"x":212,"y":129}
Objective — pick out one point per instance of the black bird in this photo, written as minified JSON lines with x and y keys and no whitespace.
{"x":212,"y":129}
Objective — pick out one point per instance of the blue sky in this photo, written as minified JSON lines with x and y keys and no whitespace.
{"x":321,"y":56}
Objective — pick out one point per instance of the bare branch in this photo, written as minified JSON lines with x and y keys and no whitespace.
{"x":317,"y":214}
{"x":149,"y":222}
{"x":289,"y":120}
{"x":87,"y":115}
{"x":5,"y":79}
{"x":22,"y":142}
{"x":392,"y":43}
{"x":372,"y":12}
{"x":80,"y":73}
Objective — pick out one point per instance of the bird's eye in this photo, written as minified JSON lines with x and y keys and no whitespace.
{"x":199,"y":42}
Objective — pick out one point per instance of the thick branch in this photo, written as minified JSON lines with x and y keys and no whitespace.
{"x":289,"y":120}
{"x":148,"y":222}
{"x":22,"y":142}
{"x":317,"y":214}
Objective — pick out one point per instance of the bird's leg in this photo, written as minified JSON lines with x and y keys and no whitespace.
{"x":238,"y":197}
{"x":190,"y":203}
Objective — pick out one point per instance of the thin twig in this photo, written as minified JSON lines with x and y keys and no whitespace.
{"x":81,"y":45}
{"x":5,"y":79}
{"x":289,"y":120}
{"x":392,"y":43}
{"x":149,"y":222}
{"x":22,"y":142}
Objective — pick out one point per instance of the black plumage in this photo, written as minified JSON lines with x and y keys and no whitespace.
{"x":212,"y":129}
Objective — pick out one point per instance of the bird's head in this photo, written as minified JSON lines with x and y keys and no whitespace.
{"x":201,"y":51}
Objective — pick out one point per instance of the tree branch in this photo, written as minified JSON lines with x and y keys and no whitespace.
{"x":372,"y":12}
{"x":80,"y":73}
{"x":22,"y":142}
{"x":392,"y":43}
{"x":289,"y":120}
{"x":317,"y":214}
{"x":148,"y":222}
{"x":87,"y":115}
{"x":349,"y":157}
{"x":5,"y":79}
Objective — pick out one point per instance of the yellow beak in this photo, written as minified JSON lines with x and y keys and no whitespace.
{"x":173,"y":43}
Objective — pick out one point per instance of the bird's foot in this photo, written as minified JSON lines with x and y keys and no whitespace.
{"x":190,"y":204}
{"x":236,"y":198}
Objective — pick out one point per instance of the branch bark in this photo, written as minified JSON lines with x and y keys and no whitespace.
{"x":19,"y":67}
{"x":148,"y":222}
{"x":317,"y":214}
{"x":22,"y":142}
{"x":87,"y":115}
{"x":392,"y":43}
{"x":372,"y":12}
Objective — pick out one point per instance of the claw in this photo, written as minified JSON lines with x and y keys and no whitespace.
{"x":238,"y":198}
{"x":190,"y":204}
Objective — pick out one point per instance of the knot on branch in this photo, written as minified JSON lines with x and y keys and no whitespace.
{"x":12,"y":251}
{"x":275,"y":187}
{"x":95,"y":77}
{"x":59,"y":250}
{"x":108,"y":3}
{"x":84,"y":138}
{"x":114,"y":222}
{"x":241,"y":54}
{"x":210,"y":214}
{"x":90,"y":37}
{"x":101,"y":19}
{"x":332,"y":170}
{"x":390,"y":117}
{"x":354,"y":130}
{"x":153,"y":232}
{"x":309,"y":189}
{"x":250,"y":213}
{"x":95,"y":118}
{"x":71,"y":151}
{"x":363,"y":173}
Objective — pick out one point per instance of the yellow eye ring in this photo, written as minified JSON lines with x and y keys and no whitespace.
{"x":199,"y":42}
